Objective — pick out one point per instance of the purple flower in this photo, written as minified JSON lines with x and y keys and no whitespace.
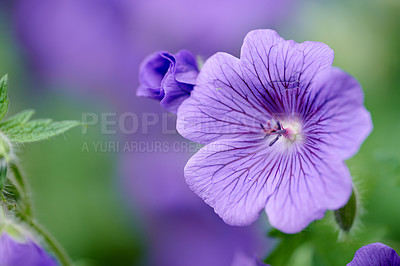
{"x":22,"y":250}
{"x":168,"y":78}
{"x":277,"y":124}
{"x":375,"y":254}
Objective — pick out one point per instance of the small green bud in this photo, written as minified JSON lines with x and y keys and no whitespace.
{"x":346,"y":215}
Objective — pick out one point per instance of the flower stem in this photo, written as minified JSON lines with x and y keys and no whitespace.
{"x":26,"y":216}
{"x":21,"y":185}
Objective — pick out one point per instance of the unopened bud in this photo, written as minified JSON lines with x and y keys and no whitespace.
{"x":346,"y":215}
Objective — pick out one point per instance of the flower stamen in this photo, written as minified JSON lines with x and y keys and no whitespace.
{"x":275,"y":140}
{"x":291,"y":130}
{"x":277,"y":130}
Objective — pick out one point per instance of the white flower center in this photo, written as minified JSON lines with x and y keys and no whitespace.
{"x":293,"y":130}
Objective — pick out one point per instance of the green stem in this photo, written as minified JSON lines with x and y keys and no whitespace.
{"x":21,"y":185}
{"x":26,"y":216}
{"x":3,"y":174}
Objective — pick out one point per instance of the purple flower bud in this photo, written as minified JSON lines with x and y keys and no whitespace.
{"x":375,"y":254}
{"x":168,"y":78}
{"x":19,"y":247}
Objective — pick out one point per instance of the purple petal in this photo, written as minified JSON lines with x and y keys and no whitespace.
{"x":239,"y":178}
{"x":308,"y":184}
{"x":13,"y":252}
{"x":175,"y":92}
{"x":275,"y":63}
{"x":375,"y":254}
{"x":231,"y":176}
{"x":334,"y":113}
{"x":186,"y":70}
{"x":152,"y":72}
{"x":179,"y":80}
{"x":222,"y":105}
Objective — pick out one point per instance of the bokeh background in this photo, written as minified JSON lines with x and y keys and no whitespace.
{"x":66,"y":58}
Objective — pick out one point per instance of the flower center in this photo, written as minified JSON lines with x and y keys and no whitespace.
{"x":291,"y":130}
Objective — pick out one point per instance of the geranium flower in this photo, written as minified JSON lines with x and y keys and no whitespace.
{"x":375,"y":254}
{"x":278,"y":124}
{"x":168,"y":78}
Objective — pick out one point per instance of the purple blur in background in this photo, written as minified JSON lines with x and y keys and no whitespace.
{"x":375,"y":254}
{"x":198,"y":237}
{"x":15,"y":252}
{"x":99,"y":44}
{"x":241,"y":259}
{"x":96,"y":47}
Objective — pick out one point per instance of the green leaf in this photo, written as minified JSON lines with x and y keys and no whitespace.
{"x":38,"y":130}
{"x":16,"y":120}
{"x":3,"y":96}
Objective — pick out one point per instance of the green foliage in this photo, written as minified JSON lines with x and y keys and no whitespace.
{"x":13,"y":188}
{"x":3,"y":96}
{"x":16,"y":120}
{"x":288,"y":244}
{"x":21,"y":130}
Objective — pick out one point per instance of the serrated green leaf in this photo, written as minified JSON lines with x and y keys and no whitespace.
{"x":3,"y":96}
{"x":16,"y":120}
{"x":38,"y":130}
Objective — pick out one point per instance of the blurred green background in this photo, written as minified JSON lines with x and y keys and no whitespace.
{"x":78,"y":194}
